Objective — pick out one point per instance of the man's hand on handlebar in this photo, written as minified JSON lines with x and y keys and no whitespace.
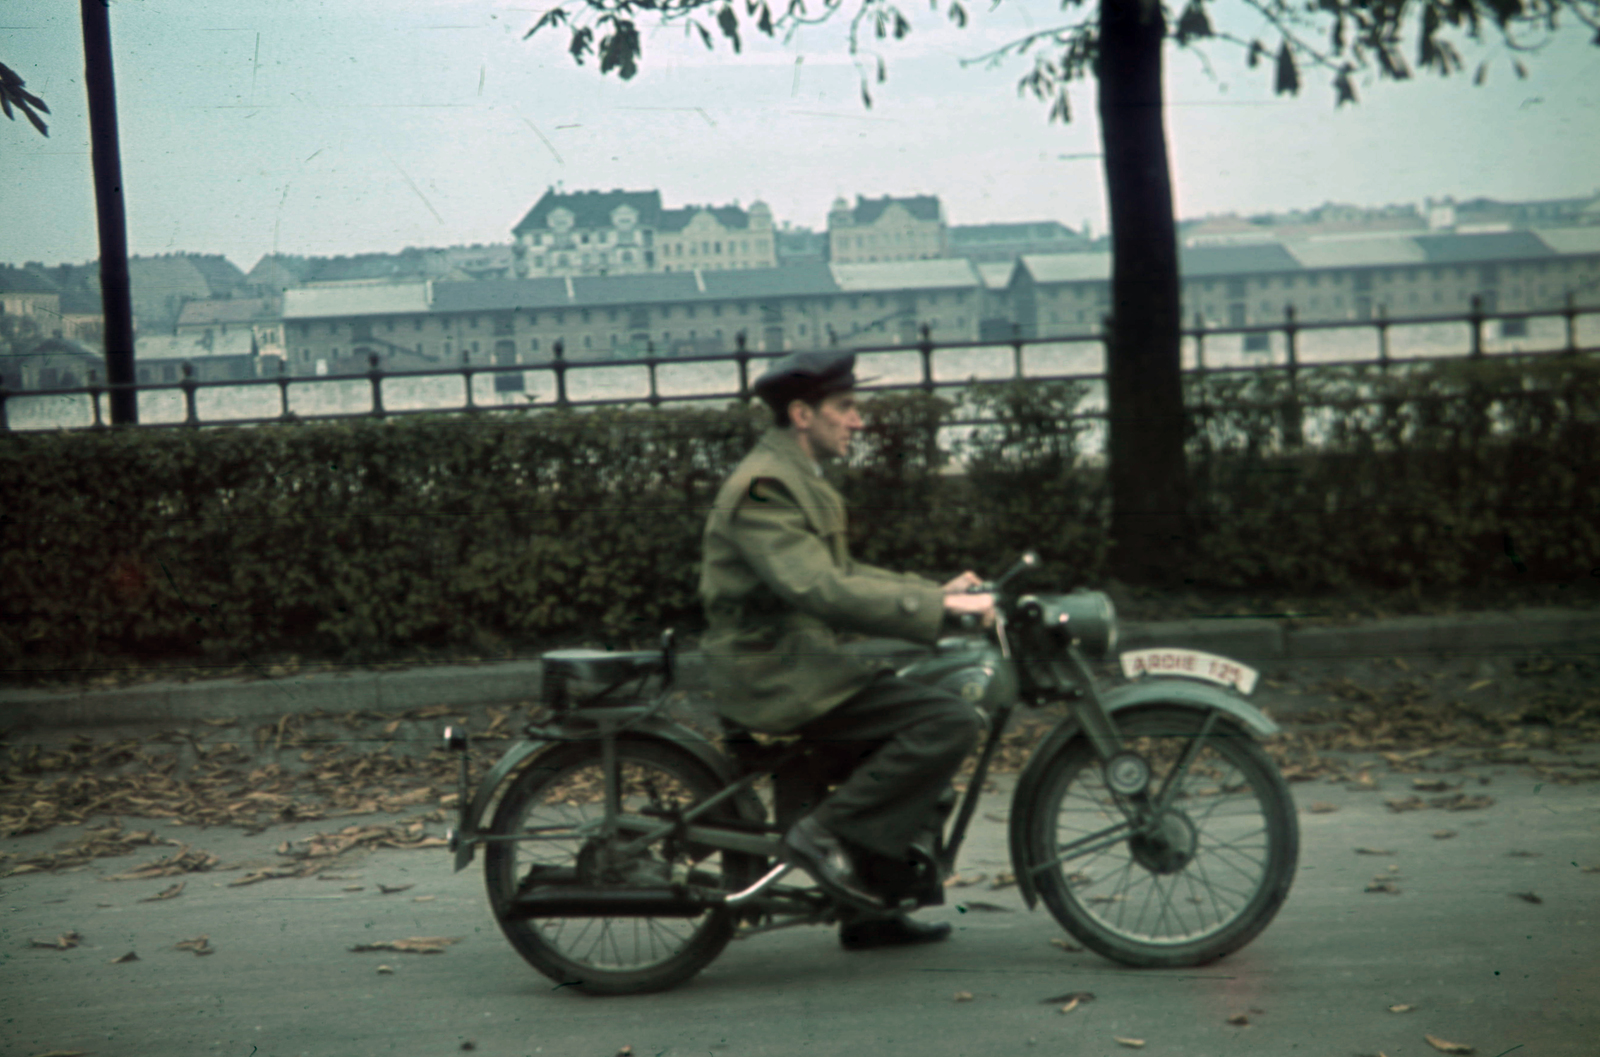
{"x":963,"y":607}
{"x":963,"y":583}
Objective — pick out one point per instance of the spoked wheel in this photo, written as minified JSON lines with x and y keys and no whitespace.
{"x":558,"y":802}
{"x":1204,"y":879}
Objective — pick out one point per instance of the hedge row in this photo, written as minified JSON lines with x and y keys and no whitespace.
{"x":371,"y":540}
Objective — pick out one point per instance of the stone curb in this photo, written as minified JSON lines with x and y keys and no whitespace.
{"x":1255,"y":641}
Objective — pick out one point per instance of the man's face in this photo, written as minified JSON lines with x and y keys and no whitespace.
{"x":825,"y":431}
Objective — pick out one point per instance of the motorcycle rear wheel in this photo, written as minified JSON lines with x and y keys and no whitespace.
{"x":561,"y":795}
{"x":1208,"y":883}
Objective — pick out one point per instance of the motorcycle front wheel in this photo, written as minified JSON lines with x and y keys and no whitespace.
{"x":554,"y":806}
{"x":1203,"y":880}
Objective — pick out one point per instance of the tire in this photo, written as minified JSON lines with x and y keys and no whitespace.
{"x":1232,"y":822}
{"x":609,"y":955}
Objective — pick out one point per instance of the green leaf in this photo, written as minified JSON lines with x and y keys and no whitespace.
{"x":1288,"y":78}
{"x":958,"y":15}
{"x":1193,"y":23}
{"x":620,"y":49}
{"x":729,"y":24}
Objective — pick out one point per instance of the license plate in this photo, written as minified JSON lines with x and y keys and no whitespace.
{"x":1190,"y":664}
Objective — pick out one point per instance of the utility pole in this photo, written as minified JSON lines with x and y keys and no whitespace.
{"x":116,"y":299}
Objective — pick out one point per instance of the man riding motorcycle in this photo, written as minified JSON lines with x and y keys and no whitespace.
{"x":779,"y":589}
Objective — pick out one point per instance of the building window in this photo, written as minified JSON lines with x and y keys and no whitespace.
{"x":1257,"y":343}
{"x":533,"y":345}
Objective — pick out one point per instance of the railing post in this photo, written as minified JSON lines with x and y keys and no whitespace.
{"x":466,"y":380}
{"x":1383,"y":338}
{"x":283,"y":389}
{"x":375,"y":375}
{"x":1016,"y":351}
{"x":926,"y":348}
{"x":742,"y":357}
{"x":1293,"y":434}
{"x":5,"y":423}
{"x":1571,"y":312}
{"x":191,"y":414}
{"x":1203,"y":408}
{"x":94,"y":398}
{"x":650,"y":367}
{"x":1475,"y":320}
{"x":559,"y":365}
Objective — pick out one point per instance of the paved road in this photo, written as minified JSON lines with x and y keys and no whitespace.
{"x":1480,"y":965}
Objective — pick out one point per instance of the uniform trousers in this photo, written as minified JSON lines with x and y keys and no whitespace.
{"x":902,"y":742}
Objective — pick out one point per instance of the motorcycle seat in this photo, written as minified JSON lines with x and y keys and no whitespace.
{"x":601,"y":666}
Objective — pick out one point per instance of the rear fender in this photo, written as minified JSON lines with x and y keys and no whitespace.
{"x":526,"y":754}
{"x":1144,"y":693}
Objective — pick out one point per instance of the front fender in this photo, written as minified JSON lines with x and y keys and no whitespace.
{"x":524,"y":753}
{"x":1144,"y":692}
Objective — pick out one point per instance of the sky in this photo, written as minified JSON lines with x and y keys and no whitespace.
{"x":325,"y":127}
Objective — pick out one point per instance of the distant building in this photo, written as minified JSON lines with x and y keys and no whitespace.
{"x":995,"y":243}
{"x":28,"y":292}
{"x":876,"y":230}
{"x":595,"y":233}
{"x":219,"y":324}
{"x":161,"y":285}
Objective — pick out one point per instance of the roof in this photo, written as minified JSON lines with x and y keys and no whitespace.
{"x":995,"y":275}
{"x":1196,"y":261}
{"x":678,"y":219}
{"x":1489,"y":246}
{"x":1038,"y":230}
{"x":1570,"y":240}
{"x":227,"y":310}
{"x":354,"y":299}
{"x":24,"y":281}
{"x":923,"y":207}
{"x":935,"y":274}
{"x":590,"y":209}
{"x":1066,"y":267}
{"x":1356,"y":251}
{"x":498,"y":295}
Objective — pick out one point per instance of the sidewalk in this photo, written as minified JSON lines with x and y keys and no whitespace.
{"x":1258,"y":642}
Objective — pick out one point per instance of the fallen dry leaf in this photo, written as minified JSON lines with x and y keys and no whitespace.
{"x":1132,"y":1043}
{"x":1523,"y":854}
{"x":200,"y":945}
{"x":414,"y":945}
{"x":353,"y":888}
{"x":169,"y":892}
{"x":423,"y":899}
{"x":386,"y":970}
{"x":64,"y":942}
{"x":1066,"y":945}
{"x":1447,"y":1047}
{"x":390,"y":890}
{"x":1238,"y":1018}
{"x":1431,"y":785}
{"x":1410,"y":803}
{"x":1070,"y":996}
{"x":1443,"y":834}
{"x":1373,"y":851}
{"x":963,"y":996}
{"x":975,"y":904}
{"x":1003,"y":879}
{"x":1527,"y":897}
{"x":1322,"y":807}
{"x":1070,"y":1006}
{"x":1383,"y":886}
{"x":129,"y":957}
{"x":1402,"y":1008}
{"x":626,"y":1051}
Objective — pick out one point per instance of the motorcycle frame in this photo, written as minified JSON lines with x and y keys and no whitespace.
{"x":609,"y":724}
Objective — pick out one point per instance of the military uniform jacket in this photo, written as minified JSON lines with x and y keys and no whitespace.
{"x":779,"y":587}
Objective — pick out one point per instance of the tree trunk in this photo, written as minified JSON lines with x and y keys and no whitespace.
{"x":1149,"y":484}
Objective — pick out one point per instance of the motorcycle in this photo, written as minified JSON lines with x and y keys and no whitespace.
{"x":624,"y":850}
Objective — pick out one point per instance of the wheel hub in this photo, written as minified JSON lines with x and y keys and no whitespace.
{"x":1167,"y":845}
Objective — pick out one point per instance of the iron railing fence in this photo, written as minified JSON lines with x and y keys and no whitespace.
{"x":1291,"y":348}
